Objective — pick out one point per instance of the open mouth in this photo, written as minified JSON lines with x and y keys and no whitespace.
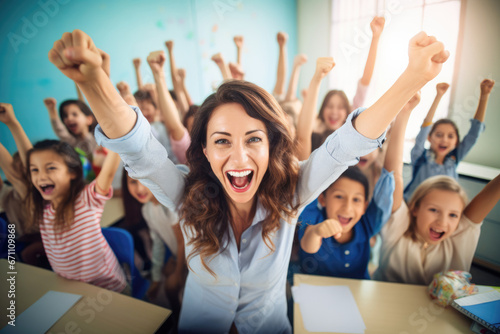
{"x":344,"y":220}
{"x":73,"y":127}
{"x":47,"y":189}
{"x":442,"y":148}
{"x":435,"y":234}
{"x":240,"y":180}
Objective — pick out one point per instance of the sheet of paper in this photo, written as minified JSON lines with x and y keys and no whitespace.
{"x":328,"y":309}
{"x":43,"y":314}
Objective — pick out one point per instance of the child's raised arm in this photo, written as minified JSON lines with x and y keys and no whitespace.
{"x":170,"y":116}
{"x":484,"y":202}
{"x":394,"y":156}
{"x":23,"y":143}
{"x":181,"y":98}
{"x":78,"y":58}
{"x":314,"y":235}
{"x":125,"y":93}
{"x":294,"y":77}
{"x":486,"y":87}
{"x":426,"y":57}
{"x":238,"y":41}
{"x":441,"y":89}
{"x":137,"y":68}
{"x":223,"y":66}
{"x":108,"y":171}
{"x":279,"y":88}
{"x":6,"y":164}
{"x":182,"y":80}
{"x":377,"y":26}
{"x":308,"y":112}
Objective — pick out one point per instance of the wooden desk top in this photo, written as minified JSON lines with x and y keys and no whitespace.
{"x":98,"y":311}
{"x":391,"y":307}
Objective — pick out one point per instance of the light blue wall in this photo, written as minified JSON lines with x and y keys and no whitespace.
{"x":127,"y":29}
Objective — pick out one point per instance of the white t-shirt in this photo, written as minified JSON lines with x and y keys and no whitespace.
{"x":160,"y":220}
{"x":406,"y":261}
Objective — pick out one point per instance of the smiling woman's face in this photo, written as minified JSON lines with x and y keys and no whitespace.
{"x":237,"y":149}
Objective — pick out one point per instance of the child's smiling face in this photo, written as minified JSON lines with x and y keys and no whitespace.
{"x":75,"y":120}
{"x":140,"y":192}
{"x":345,"y":202}
{"x":443,"y":139}
{"x":335,"y":113}
{"x":438,"y":215}
{"x":50,"y":175}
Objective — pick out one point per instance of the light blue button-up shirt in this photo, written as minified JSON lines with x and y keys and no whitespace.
{"x":249,"y":287}
{"x":424,"y":162}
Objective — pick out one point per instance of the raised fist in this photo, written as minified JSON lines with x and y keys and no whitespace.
{"x":123,"y":88}
{"x":238,"y":40}
{"x":156,"y":60}
{"x":282,"y":38}
{"x":329,"y":228}
{"x":324,"y":65}
{"x":169,"y":45}
{"x":50,"y":103}
{"x":137,"y":62}
{"x":300,"y":59}
{"x":442,"y":87}
{"x":427,"y":56}
{"x":76,"y":56}
{"x":487,"y":86}
{"x":377,"y":25}
{"x":7,"y":115}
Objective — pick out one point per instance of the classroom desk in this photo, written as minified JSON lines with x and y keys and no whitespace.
{"x":391,"y":307}
{"x":111,"y":312}
{"x":113,"y":211}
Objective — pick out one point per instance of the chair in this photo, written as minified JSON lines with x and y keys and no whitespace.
{"x":3,"y":239}
{"x":122,"y":244}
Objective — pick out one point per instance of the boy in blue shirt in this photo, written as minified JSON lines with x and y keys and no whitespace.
{"x":335,"y":238}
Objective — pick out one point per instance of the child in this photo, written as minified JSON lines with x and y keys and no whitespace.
{"x":68,"y":213}
{"x":244,"y":187}
{"x":446,"y":150}
{"x":74,"y":124}
{"x":165,"y":230}
{"x":436,"y":232}
{"x":335,"y":241}
{"x":336,"y":106}
{"x":149,"y":109}
{"x":29,"y":242}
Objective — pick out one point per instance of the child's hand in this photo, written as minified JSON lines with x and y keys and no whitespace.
{"x":76,"y":56}
{"x":238,"y":40}
{"x":427,"y":56}
{"x":181,"y":73}
{"x":300,"y":60}
{"x":50,"y":103}
{"x":217,"y":58}
{"x":282,"y":38}
{"x":156,"y":60}
{"x":413,"y":102}
{"x":487,"y":86}
{"x":150,"y":88}
{"x":7,"y":115}
{"x":323,"y":66}
{"x":377,"y":25}
{"x":329,"y":228}
{"x":169,"y":45}
{"x":442,"y":87}
{"x":137,"y":62}
{"x":123,"y":88}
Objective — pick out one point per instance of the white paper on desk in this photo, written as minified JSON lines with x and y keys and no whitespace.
{"x":328,"y":309}
{"x":43,"y":314}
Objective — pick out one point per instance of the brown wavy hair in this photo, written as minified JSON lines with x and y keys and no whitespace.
{"x":65,"y":211}
{"x":327,"y":98}
{"x":205,"y":209}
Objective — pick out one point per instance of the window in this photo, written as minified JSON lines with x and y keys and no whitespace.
{"x":351,"y":38}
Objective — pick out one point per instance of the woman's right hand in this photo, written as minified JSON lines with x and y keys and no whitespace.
{"x":76,"y":56}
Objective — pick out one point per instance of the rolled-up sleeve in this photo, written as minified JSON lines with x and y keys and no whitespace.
{"x":147,"y":160}
{"x":340,"y":150}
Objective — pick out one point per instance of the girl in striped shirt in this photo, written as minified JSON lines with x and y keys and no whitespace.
{"x":69,"y":213}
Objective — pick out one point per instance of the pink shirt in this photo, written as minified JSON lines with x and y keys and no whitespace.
{"x":179,"y":147}
{"x":81,"y":252}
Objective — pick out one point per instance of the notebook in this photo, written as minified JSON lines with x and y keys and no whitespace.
{"x":483,"y":308}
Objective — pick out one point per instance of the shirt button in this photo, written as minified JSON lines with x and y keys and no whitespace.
{"x":243,"y":240}
{"x":347,"y":252}
{"x":347,"y":265}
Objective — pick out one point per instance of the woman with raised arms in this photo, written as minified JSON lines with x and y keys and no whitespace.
{"x":240,"y":199}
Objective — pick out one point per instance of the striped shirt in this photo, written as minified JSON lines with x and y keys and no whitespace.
{"x":81,"y":252}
